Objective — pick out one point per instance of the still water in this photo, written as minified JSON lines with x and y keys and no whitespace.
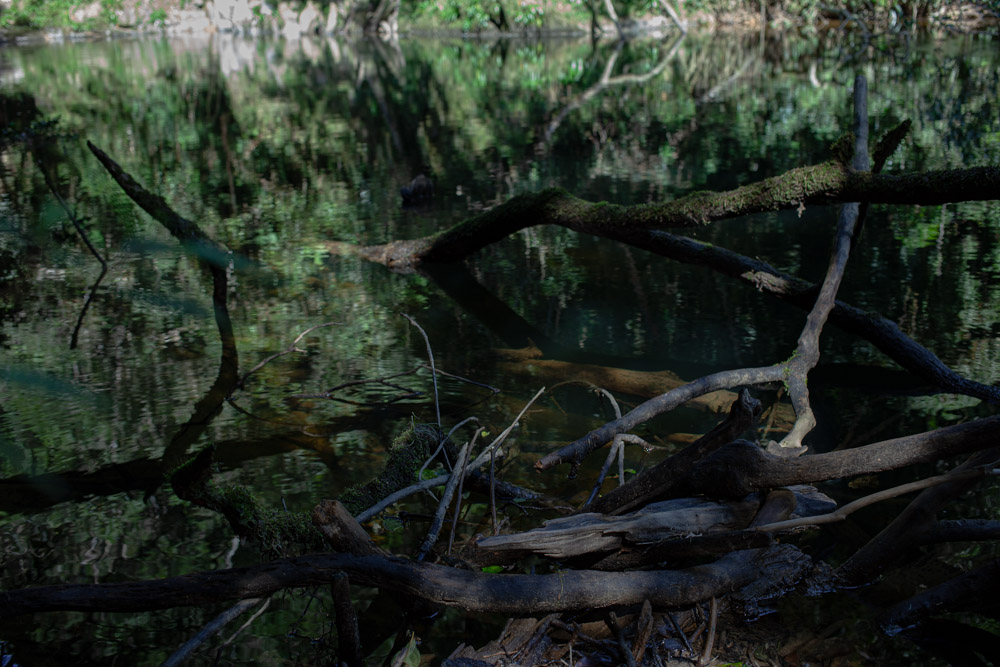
{"x":275,"y":149}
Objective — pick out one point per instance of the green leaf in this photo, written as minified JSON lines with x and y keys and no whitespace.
{"x":493,"y":569}
{"x":409,"y":656}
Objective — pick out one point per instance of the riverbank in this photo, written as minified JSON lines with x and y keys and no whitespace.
{"x":28,"y":21}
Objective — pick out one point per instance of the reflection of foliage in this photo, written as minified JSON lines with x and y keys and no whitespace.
{"x":281,"y":151}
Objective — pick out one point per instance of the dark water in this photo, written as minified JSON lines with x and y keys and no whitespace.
{"x":275,"y":149}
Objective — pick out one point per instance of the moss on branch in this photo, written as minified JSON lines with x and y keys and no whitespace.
{"x":820,"y":184}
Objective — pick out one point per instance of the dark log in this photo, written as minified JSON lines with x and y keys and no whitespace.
{"x":341,"y":531}
{"x":658,"y":480}
{"x":961,"y":530}
{"x":741,"y":468}
{"x":472,"y":591}
{"x":820,"y":184}
{"x":976,"y":589}
{"x":901,"y":536}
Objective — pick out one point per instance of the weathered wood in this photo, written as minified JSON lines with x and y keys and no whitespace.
{"x":663,"y":525}
{"x":659,"y":479}
{"x":341,"y":531}
{"x":741,"y":467}
{"x":590,"y":533}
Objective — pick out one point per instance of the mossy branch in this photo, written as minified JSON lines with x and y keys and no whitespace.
{"x":824,"y":183}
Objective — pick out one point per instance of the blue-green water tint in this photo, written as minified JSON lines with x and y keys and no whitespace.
{"x":277,"y":148}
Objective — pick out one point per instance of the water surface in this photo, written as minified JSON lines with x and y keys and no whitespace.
{"x":276,"y":148}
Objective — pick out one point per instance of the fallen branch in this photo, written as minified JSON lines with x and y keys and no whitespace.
{"x":821,"y":184}
{"x":576,"y":451}
{"x":471,"y":591}
{"x":842,"y":513}
{"x":741,"y":467}
{"x":907,"y":529}
{"x":660,"y":478}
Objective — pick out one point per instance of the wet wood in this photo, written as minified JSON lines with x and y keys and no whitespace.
{"x":621,"y":380}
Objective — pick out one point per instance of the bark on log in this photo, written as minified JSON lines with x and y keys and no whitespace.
{"x":819,"y":184}
{"x":741,"y":468}
{"x":472,"y":591}
{"x":660,"y":478}
{"x":908,"y":528}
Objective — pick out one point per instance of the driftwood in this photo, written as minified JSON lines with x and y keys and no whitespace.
{"x":657,"y":523}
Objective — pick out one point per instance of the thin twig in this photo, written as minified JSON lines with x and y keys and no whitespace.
{"x":430,"y":357}
{"x":440,"y":448}
{"x":677,"y":629}
{"x":478,"y":463}
{"x":706,"y":656}
{"x":617,"y":449}
{"x":83,"y":236}
{"x":493,"y":389}
{"x":493,"y":495}
{"x":212,"y":627}
{"x":843,"y":512}
{"x":616,"y":629}
{"x":619,"y":446}
{"x":462,"y":463}
{"x":442,"y":509}
{"x":288,"y":350}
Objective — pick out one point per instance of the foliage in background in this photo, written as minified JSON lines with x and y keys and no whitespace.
{"x":275,"y":149}
{"x":514,"y":15}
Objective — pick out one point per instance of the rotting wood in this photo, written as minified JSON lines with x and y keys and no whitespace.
{"x":658,"y":524}
{"x":658,"y":480}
